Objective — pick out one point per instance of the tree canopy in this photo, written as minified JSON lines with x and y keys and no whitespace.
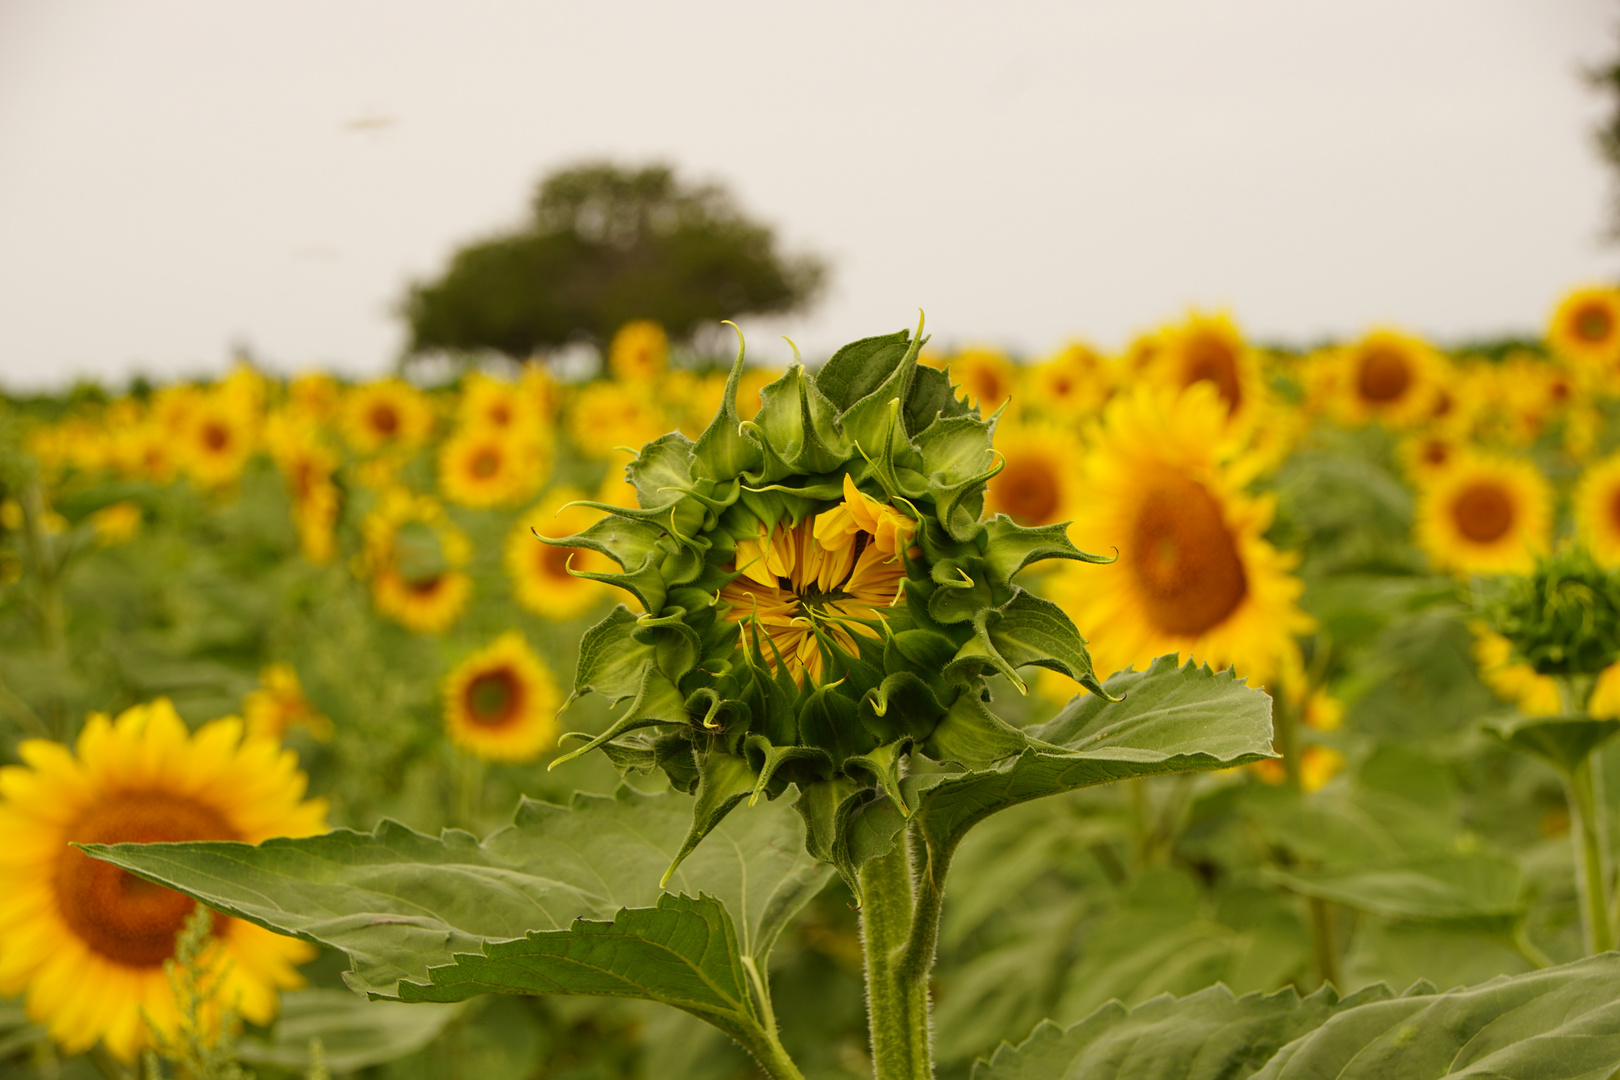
{"x":605,"y":245}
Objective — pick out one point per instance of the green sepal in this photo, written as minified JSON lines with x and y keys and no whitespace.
{"x":765,"y":757}
{"x":846,"y":824}
{"x":973,"y":736}
{"x":723,"y":451}
{"x":912,"y":700}
{"x":931,"y":399}
{"x":1009,"y":546}
{"x":1028,"y":631}
{"x":882,"y":764}
{"x":610,"y":659}
{"x":957,"y":461}
{"x":662,"y":471}
{"x":676,"y":646}
{"x":724,"y":780}
{"x":658,"y":701}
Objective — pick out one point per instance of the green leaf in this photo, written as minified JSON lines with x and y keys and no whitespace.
{"x":683,"y":953}
{"x":354,"y":1033}
{"x":1562,"y":741}
{"x":398,"y":902}
{"x":1476,"y":887}
{"x":1170,"y":719}
{"x":1562,"y":1023}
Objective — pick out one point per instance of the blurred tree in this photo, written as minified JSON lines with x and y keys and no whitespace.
{"x":607,"y":245}
{"x":1607,"y":79}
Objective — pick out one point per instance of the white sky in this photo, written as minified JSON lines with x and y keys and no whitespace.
{"x":175,"y":176}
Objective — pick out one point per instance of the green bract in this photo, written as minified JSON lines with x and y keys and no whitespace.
{"x":713,"y":704}
{"x":1564,"y":618}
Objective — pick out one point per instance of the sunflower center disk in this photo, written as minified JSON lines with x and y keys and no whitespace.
{"x":1028,"y":492}
{"x":494,"y":699}
{"x":1186,"y":564}
{"x":1382,"y":376}
{"x":120,"y":916}
{"x":1483,"y":513}
{"x":1593,"y":324}
{"x":1210,"y":360}
{"x":800,"y":588}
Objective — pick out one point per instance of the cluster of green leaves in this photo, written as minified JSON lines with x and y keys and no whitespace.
{"x":1563,"y":618}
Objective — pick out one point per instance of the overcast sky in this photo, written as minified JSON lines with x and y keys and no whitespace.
{"x":178,"y":177}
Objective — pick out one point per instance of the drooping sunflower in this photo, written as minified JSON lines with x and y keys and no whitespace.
{"x":541,"y":574}
{"x":486,"y":466}
{"x":279,"y":705}
{"x":639,"y":352}
{"x":1597,"y":511}
{"x":1585,"y":330}
{"x":414,"y":554}
{"x":1484,"y":515}
{"x":1195,"y":574}
{"x":1040,"y":483}
{"x":1388,"y":376}
{"x":86,"y":941}
{"x":387,"y":415}
{"x":501,"y":702}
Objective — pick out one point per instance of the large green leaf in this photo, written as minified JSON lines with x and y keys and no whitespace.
{"x":1170,"y":719}
{"x":1559,"y":1024}
{"x":398,"y":902}
{"x":354,"y":1033}
{"x":1562,"y":741}
{"x":1471,"y":888}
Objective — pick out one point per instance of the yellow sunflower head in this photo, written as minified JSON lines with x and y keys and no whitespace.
{"x":314,"y":397}
{"x":986,"y":376}
{"x":608,"y":415}
{"x":1194,"y":574}
{"x":86,"y":941}
{"x":488,"y":402}
{"x":220,"y":433}
{"x":117,"y":523}
{"x":1597,"y":511}
{"x":1389,"y":377}
{"x":1585,"y":329}
{"x":501,"y":702}
{"x":1210,"y":349}
{"x":488,"y":466}
{"x":547,"y":579}
{"x":1070,"y":385}
{"x":390,"y":414}
{"x":639,"y":352}
{"x":414,"y":555}
{"x":1484,"y":515}
{"x":279,"y":705}
{"x":1040,"y":483}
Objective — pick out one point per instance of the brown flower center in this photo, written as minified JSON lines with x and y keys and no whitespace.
{"x":1614,"y":508}
{"x":1027,"y":492}
{"x":384,"y":419}
{"x":1482,"y":512}
{"x":1592,"y":323}
{"x":486,"y":463}
{"x":1209,"y":358}
{"x":494,"y":698}
{"x":215,"y":437}
{"x":1383,"y":375}
{"x":124,"y":918}
{"x":500,"y":415}
{"x":1188,"y":572}
{"x":1435,"y":452}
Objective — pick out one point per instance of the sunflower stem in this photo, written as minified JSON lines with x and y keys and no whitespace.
{"x":896,"y":992}
{"x":469,"y":782}
{"x":1589,"y":832}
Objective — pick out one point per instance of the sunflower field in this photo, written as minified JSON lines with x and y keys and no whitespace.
{"x":1273,"y":683}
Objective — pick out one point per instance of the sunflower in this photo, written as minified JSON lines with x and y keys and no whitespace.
{"x":117,"y":523}
{"x":1388,"y":376}
{"x":540,"y":572}
{"x":639,"y":352}
{"x":1597,"y":511}
{"x":490,"y":403}
{"x":1585,"y":329}
{"x":1427,"y":454}
{"x":1484,"y":515}
{"x":1194,"y":573}
{"x":986,"y":376}
{"x":1317,"y":765}
{"x":279,"y":705}
{"x":1040,"y":481}
{"x":216,"y":439}
{"x":1211,"y":349}
{"x":389,"y":414}
{"x":501,"y":702}
{"x":803,"y":588}
{"x":608,"y":415}
{"x":414,"y":556}
{"x":1513,"y":680}
{"x":307,"y":465}
{"x":85,"y":940}
{"x":483,"y":467}
{"x":1071,"y":384}
{"x":314,"y":397}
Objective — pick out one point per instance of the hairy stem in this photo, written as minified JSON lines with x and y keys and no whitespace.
{"x":1323,"y":948}
{"x":1590,"y":832}
{"x":896,"y":990}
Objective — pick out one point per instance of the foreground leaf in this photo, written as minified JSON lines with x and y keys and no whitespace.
{"x":354,"y":1033}
{"x":398,"y":902}
{"x":1171,"y":719}
{"x":1559,"y":1024}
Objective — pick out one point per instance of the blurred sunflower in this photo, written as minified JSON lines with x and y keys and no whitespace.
{"x":1071,"y":384}
{"x":1211,"y":349}
{"x":389,"y":414}
{"x":314,"y":397}
{"x":1389,"y":377}
{"x":279,"y":704}
{"x":413,"y":555}
{"x":1512,"y":680}
{"x":1317,"y":765}
{"x":1194,"y":574}
{"x":501,"y":702}
{"x":85,"y":940}
{"x":639,"y":352}
{"x":218,"y":436}
{"x":1585,"y":329}
{"x":494,"y":404}
{"x":1484,"y":515}
{"x":986,"y":377}
{"x":116,"y":523}
{"x":1597,"y":511}
{"x":307,"y":465}
{"x":608,"y":415}
{"x":542,"y":583}
{"x":1427,"y":453}
{"x":1039,"y":483}
{"x":483,"y":467}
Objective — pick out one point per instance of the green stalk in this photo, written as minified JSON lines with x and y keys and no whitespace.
{"x":1322,"y":945}
{"x":1590,"y":832}
{"x":896,"y":990}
